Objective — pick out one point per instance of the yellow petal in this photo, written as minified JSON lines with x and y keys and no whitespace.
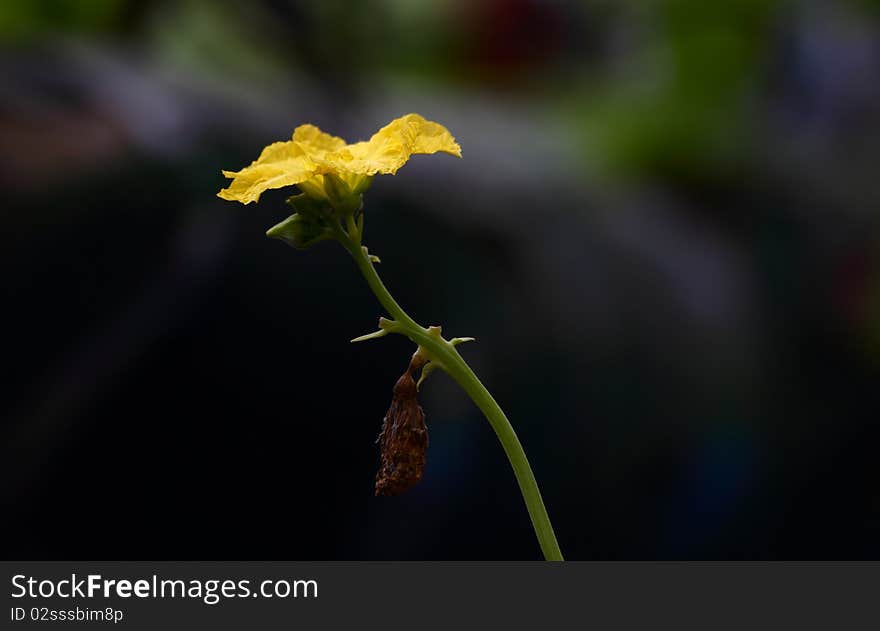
{"x":280,"y":164}
{"x":311,"y":154}
{"x":390,"y":148}
{"x":316,"y":142}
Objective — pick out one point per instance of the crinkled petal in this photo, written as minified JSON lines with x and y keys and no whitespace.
{"x":280,"y":164}
{"x":312,"y":153}
{"x":391,"y":147}
{"x":315,"y":142}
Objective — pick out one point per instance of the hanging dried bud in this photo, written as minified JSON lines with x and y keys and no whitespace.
{"x":404,"y":439}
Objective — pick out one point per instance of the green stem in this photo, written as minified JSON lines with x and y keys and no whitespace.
{"x":446,"y":356}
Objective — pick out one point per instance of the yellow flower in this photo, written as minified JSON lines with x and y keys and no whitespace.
{"x":312,"y":154}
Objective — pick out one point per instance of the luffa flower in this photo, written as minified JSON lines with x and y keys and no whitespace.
{"x":332,"y":177}
{"x":325,"y":167}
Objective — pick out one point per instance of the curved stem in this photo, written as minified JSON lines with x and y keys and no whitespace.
{"x":444,"y":354}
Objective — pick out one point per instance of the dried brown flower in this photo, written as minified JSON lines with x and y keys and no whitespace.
{"x":404,"y":438}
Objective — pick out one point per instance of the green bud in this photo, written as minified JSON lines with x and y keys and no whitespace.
{"x":300,"y":231}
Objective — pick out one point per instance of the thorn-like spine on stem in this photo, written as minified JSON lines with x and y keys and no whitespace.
{"x":386,"y":326}
{"x":461,"y":340}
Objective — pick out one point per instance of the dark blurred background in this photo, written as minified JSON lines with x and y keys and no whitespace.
{"x":664,"y":234}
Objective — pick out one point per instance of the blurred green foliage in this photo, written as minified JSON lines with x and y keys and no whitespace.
{"x":26,"y":19}
{"x":680,"y":101}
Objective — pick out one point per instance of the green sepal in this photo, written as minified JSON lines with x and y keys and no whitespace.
{"x":314,"y":188}
{"x":359,"y":184}
{"x":300,"y":231}
{"x":308,"y":206}
{"x":343,"y":199}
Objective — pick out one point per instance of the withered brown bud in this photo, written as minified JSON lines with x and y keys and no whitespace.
{"x":404,"y":439}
